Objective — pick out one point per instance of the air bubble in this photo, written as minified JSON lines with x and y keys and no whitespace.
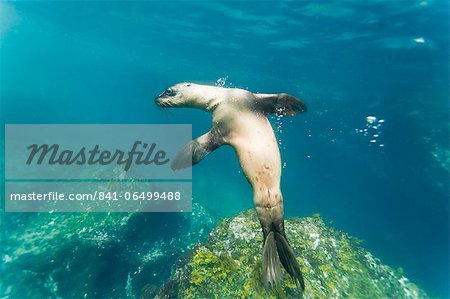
{"x":221,"y":82}
{"x":371,"y":119}
{"x":279,"y":123}
{"x":372,"y":129}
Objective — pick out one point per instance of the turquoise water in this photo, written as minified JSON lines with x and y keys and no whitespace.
{"x":104,"y":62}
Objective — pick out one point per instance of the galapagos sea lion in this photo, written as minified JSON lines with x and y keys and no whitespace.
{"x":239,"y":119}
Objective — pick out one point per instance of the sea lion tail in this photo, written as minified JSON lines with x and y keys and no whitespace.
{"x":271,"y":267}
{"x":288,"y":260}
{"x":277,"y":248}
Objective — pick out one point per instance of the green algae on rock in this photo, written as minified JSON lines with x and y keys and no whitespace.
{"x":334,"y":265}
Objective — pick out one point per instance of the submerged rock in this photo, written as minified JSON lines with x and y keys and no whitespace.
{"x":334,"y":265}
{"x":94,"y":255}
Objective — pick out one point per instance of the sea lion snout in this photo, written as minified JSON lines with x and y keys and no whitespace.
{"x":159,"y":101}
{"x":163,"y":99}
{"x":169,"y":98}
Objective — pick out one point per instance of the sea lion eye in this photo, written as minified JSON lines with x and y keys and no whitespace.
{"x":169,"y":92}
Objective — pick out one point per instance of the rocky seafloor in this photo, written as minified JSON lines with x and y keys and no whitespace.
{"x":176,"y":255}
{"x":334,"y":265}
{"x":94,"y":255}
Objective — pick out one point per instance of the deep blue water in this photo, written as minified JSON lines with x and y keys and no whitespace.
{"x":104,"y":62}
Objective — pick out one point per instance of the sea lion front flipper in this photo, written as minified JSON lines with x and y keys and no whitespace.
{"x":281,"y":103}
{"x":196,"y":150}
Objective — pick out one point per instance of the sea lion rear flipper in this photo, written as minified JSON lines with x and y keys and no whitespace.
{"x":195,"y":151}
{"x":288,"y":260}
{"x":277,"y":249}
{"x":271,"y":266}
{"x":281,"y":103}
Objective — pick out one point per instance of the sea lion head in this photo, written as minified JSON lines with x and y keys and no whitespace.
{"x":181,"y":95}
